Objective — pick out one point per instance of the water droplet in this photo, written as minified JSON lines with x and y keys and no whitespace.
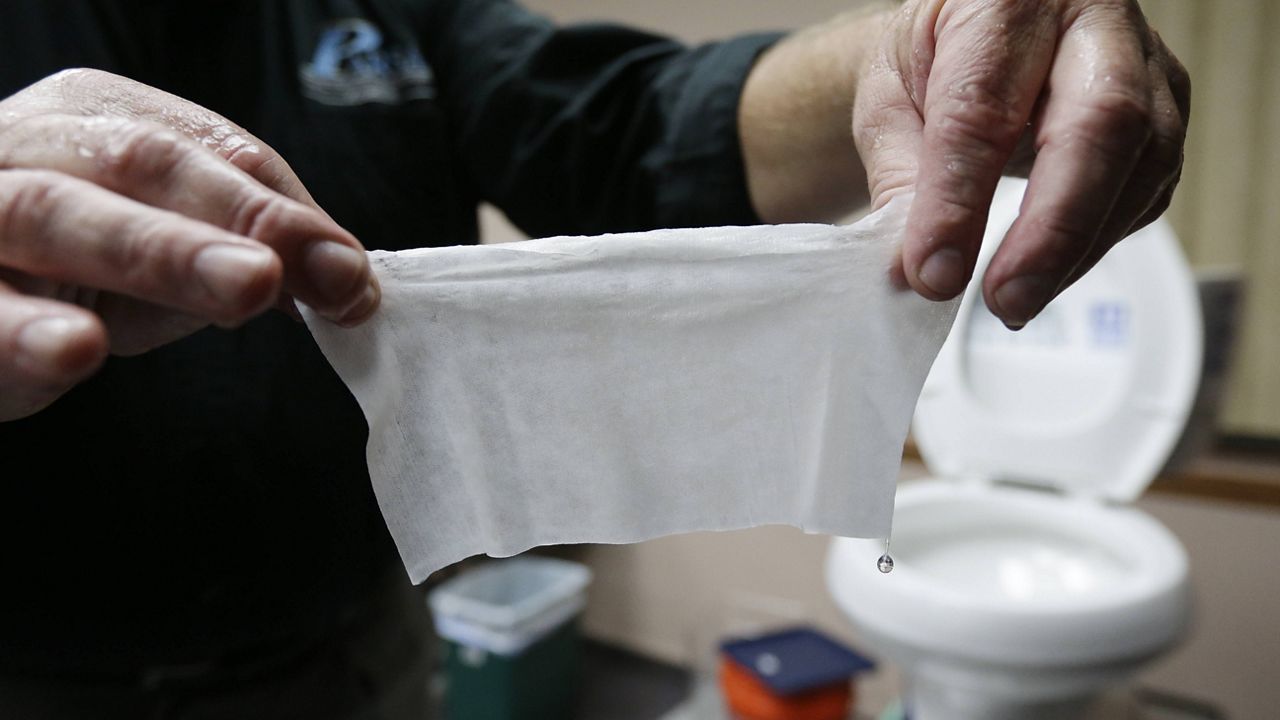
{"x":885,"y":563}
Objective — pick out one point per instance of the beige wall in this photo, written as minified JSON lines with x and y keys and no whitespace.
{"x":1227,"y":211}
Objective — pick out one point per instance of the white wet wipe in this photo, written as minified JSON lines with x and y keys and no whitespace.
{"x":622,"y":387}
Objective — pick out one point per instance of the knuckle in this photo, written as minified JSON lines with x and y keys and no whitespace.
{"x":1126,"y":115}
{"x":1063,"y":225}
{"x":1161,"y":200}
{"x":28,"y":204}
{"x":77,"y":88}
{"x":269,"y":169}
{"x":139,"y":153}
{"x":985,"y":110}
{"x":969,"y":146}
{"x":1121,"y":15}
{"x":966,"y":178}
{"x":17,"y":132}
{"x":71,"y":78}
{"x":1178,"y":74}
{"x":978,"y":124}
{"x":1111,"y":124}
{"x":1163,"y":159}
{"x":890,"y":181}
{"x":953,"y":212}
{"x":876,"y":130}
{"x":1065,"y":238}
{"x":1175,"y":72}
{"x":76,"y":74}
{"x":1013,"y":13}
{"x":140,"y":254}
{"x":241,"y":151}
{"x":1159,"y":207}
{"x":1173,"y":183}
{"x":1179,"y":78}
{"x":260,"y":163}
{"x":259,"y":214}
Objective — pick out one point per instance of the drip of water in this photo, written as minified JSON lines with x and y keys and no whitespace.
{"x":885,"y":563}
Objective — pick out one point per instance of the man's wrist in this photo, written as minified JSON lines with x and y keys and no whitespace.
{"x":795,"y":119}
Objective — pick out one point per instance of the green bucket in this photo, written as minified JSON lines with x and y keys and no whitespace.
{"x":510,"y":634}
{"x":539,"y":683}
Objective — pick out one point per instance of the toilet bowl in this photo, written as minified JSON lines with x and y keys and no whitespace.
{"x":1024,"y":585}
{"x":1007,"y":603}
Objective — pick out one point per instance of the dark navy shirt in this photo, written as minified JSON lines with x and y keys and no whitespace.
{"x":211,"y":496}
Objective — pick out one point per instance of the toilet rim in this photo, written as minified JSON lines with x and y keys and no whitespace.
{"x":1156,"y":559}
{"x":1143,"y":615}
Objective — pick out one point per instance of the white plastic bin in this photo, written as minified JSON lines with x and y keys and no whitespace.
{"x":505,"y":606}
{"x":511,"y":639}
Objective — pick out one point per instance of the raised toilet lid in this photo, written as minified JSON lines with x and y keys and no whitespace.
{"x":1091,"y":396}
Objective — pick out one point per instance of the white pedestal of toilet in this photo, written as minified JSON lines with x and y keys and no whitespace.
{"x":1024,"y":585}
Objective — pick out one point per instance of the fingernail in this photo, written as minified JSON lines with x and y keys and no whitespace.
{"x":333,"y":270}
{"x":1022,"y":298}
{"x":44,"y":340}
{"x":363,"y":307}
{"x":943,"y":272}
{"x":227,"y":270}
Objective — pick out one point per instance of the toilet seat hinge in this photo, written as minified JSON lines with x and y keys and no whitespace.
{"x":1025,"y":483}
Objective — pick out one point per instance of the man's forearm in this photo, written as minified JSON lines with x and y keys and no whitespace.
{"x":795,"y":120}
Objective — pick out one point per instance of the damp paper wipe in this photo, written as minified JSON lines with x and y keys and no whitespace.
{"x":621,"y":387}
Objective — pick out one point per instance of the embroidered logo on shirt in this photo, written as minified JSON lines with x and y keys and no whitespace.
{"x":353,"y":66}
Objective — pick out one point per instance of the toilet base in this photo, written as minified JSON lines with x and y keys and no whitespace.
{"x":932,"y":701}
{"x":942,"y":693}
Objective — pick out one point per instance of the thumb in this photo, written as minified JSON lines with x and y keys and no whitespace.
{"x":887,"y":121}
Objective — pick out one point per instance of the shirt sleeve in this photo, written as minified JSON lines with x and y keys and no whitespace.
{"x":592,"y":128}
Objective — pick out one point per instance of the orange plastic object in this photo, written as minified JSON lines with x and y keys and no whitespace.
{"x":751,"y":699}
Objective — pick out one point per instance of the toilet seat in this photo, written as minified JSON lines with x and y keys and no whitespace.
{"x":1091,"y":396}
{"x":1021,"y":552}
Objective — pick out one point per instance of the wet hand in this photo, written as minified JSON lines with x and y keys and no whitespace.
{"x":130,"y":218}
{"x":1081,"y":96}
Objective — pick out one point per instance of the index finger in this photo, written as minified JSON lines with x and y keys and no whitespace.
{"x":97,"y":92}
{"x":323,"y":265}
{"x":990,"y":63}
{"x":327,"y":270}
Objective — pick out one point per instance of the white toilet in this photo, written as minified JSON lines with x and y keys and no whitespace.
{"x":1024,"y":585}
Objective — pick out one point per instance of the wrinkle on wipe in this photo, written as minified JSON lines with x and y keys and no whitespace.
{"x":621,"y":387}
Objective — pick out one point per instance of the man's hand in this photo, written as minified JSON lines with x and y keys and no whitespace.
{"x":130,"y":218}
{"x":947,"y":96}
{"x":1081,"y":93}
